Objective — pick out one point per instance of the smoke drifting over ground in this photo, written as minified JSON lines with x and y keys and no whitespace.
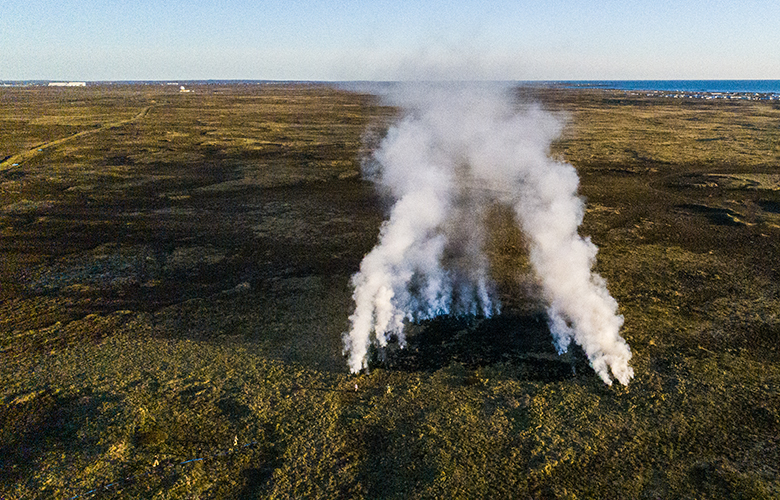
{"x":458,"y":151}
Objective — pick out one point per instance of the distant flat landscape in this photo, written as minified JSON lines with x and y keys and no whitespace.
{"x":175,"y":266}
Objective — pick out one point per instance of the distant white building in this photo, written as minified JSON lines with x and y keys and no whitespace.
{"x":67,"y":84}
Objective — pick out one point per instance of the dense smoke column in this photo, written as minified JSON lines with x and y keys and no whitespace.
{"x":457,"y":152}
{"x":580,"y":306}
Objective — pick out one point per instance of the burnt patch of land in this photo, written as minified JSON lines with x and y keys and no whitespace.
{"x":511,"y":339}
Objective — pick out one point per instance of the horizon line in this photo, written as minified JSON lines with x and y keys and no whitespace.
{"x":294,"y":80}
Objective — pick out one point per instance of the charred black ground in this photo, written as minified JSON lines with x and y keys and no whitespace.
{"x":522,"y":341}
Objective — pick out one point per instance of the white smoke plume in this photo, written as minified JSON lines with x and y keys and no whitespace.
{"x":458,"y":150}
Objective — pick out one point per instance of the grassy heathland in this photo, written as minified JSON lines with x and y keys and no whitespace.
{"x":174,"y":283}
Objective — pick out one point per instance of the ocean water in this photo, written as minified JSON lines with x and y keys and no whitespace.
{"x":743,"y":87}
{"x":724,"y":86}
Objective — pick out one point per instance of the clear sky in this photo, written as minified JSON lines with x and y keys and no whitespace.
{"x":389,"y":39}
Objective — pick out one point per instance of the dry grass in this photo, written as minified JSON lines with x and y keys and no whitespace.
{"x":175,"y":287}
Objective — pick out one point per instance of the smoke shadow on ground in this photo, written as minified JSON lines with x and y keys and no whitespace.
{"x":520,"y":339}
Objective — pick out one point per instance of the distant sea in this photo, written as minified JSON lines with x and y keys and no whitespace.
{"x":688,"y":86}
{"x":725,"y":86}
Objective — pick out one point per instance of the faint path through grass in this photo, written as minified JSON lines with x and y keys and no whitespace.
{"x":17,"y":159}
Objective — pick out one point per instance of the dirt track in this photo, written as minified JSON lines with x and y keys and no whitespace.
{"x":17,"y":159}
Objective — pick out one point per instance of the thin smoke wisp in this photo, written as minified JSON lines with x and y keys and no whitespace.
{"x":457,"y":151}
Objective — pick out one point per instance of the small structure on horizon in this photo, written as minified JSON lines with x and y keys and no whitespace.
{"x":67,"y":84}
{"x":184,"y":90}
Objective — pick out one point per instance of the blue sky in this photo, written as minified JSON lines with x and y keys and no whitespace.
{"x":389,"y":40}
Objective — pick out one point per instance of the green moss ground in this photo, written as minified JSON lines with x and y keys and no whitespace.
{"x":174,"y":285}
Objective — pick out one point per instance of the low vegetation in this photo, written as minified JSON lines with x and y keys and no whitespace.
{"x":174,"y":283}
